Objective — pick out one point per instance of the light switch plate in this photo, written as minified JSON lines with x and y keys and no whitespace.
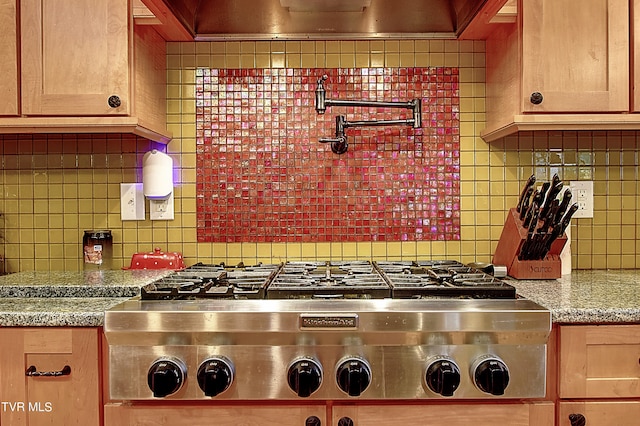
{"x":131,"y":201}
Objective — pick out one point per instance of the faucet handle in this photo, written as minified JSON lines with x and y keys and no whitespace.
{"x":321,"y":95}
{"x":339,"y":144}
{"x":331,"y":140}
{"x":416,"y":106}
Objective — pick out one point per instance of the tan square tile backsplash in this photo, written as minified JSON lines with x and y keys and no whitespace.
{"x":55,"y":186}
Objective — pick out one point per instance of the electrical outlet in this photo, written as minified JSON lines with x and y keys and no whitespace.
{"x":131,"y":201}
{"x":161,"y":209}
{"x":582,"y":193}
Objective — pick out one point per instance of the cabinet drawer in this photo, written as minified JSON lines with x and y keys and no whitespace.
{"x":600,"y":413}
{"x":512,"y":414}
{"x":189,"y":415}
{"x":599,"y":361}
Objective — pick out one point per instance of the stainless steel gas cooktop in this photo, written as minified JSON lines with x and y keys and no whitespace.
{"x":327,"y":331}
{"x":330,"y":280}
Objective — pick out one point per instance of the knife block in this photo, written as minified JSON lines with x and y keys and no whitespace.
{"x":513,"y":236}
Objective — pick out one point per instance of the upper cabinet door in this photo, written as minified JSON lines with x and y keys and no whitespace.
{"x":75,"y":57}
{"x":8,"y":58}
{"x":636,"y":55}
{"x":575,"y":53}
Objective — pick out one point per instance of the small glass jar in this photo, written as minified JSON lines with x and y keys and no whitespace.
{"x":97,"y":249}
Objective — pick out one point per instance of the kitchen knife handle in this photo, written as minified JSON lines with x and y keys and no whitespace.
{"x":525,"y":192}
{"x":551,"y":197}
{"x":524,"y":206}
{"x":538,"y":251}
{"x":524,"y":249}
{"x":533,"y":206}
{"x":543,"y":191}
{"x":566,"y":219}
{"x":551,"y":237}
{"x":550,"y":216}
{"x":564,"y":204}
{"x":535,"y":216}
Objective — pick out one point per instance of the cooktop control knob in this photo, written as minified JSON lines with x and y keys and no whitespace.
{"x":353,"y":376}
{"x":166,"y":376}
{"x":215,"y":375}
{"x":443,"y":376}
{"x":304,"y":376}
{"x":490,"y":374}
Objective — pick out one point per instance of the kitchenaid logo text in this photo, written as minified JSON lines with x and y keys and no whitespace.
{"x":329,"y":321}
{"x":21,"y":406}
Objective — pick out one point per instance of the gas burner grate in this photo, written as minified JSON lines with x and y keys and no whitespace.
{"x":205,"y":281}
{"x":442,"y":279}
{"x":328,"y":280}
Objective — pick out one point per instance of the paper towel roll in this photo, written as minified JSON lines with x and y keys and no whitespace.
{"x":157,"y":175}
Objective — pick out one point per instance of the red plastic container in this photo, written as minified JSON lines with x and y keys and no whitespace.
{"x":157,"y":259}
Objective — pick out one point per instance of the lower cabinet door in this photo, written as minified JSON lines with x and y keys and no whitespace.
{"x":596,"y":413}
{"x":496,"y":414}
{"x":49,"y":376}
{"x":599,"y":361}
{"x":116,"y":414}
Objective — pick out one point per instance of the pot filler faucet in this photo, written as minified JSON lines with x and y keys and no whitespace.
{"x":339,"y":144}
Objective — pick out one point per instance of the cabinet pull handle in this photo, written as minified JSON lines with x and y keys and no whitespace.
{"x":577,"y":420}
{"x":536,"y":98}
{"x":32,"y":371}
{"x":313,"y":421}
{"x":114,"y":101}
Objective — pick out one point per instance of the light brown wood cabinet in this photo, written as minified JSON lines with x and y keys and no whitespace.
{"x":636,"y":55}
{"x":564,"y":64}
{"x":579,"y":63}
{"x":68,"y":399}
{"x":231,"y":415}
{"x":599,"y":374}
{"x":83,"y":68}
{"x":74,"y":57}
{"x":599,"y":413}
{"x":512,"y":414}
{"x":8,"y":57}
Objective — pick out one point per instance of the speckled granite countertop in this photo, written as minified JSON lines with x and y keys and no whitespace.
{"x":80,"y":299}
{"x":99,"y":283}
{"x":58,"y":299}
{"x":596,"y":296}
{"x":55,"y":312}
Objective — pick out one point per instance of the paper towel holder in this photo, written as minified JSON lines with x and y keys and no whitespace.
{"x":157,"y":175}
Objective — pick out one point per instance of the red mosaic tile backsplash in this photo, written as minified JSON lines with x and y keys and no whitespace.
{"x":262,"y":175}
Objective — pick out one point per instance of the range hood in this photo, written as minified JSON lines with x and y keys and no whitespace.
{"x":322,"y":19}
